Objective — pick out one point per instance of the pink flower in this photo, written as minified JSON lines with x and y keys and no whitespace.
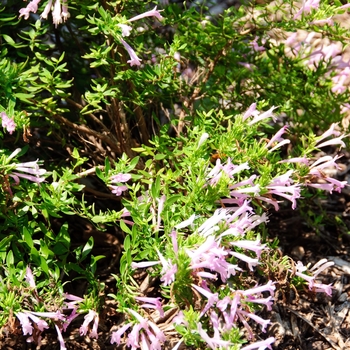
{"x":118,"y":190}
{"x":91,"y":316}
{"x":7,"y":122}
{"x":212,"y":298}
{"x":125,"y":29}
{"x":31,"y":7}
{"x":307,"y":6}
{"x":60,"y":338}
{"x":259,"y":117}
{"x":169,"y":270}
{"x":260,"y":345}
{"x":134,"y":60}
{"x":117,"y":335}
{"x":151,"y":13}
{"x":121,"y":177}
{"x":30,"y":278}
{"x":152,"y":303}
{"x":27,"y":327}
{"x":214,"y":342}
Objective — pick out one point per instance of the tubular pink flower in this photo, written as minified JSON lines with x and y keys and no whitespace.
{"x":214,"y":342}
{"x":118,"y":190}
{"x":31,"y":7}
{"x":307,"y":6}
{"x":279,"y":145}
{"x":302,"y":160}
{"x":186,"y":223}
{"x":250,"y":261}
{"x":260,"y":345}
{"x":269,"y":287}
{"x":91,"y":316}
{"x":255,"y":246}
{"x":121,"y":177}
{"x":259,"y":117}
{"x":60,"y":338}
{"x":212,"y":298}
{"x":277,"y":137}
{"x":8,"y":123}
{"x":117,"y":335}
{"x":41,"y":324}
{"x":250,"y":111}
{"x":134,"y":60}
{"x":27,"y":327}
{"x":169,"y":270}
{"x":151,"y":13}
{"x":152,"y":303}
{"x":47,"y":9}
{"x":30,"y":278}
{"x":143,"y":264}
{"x":125,"y":29}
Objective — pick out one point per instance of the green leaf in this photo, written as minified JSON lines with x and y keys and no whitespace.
{"x":87,"y":248}
{"x":27,"y":237}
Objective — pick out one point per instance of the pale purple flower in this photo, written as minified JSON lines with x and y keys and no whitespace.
{"x":31,"y":7}
{"x":152,"y":303}
{"x":252,"y":262}
{"x":47,"y":9}
{"x":174,"y":241}
{"x":31,"y":172}
{"x":315,"y":270}
{"x":134,"y":60}
{"x":260,"y":345}
{"x":213,"y":343}
{"x":251,"y":111}
{"x":212,"y":298}
{"x":335,"y":141}
{"x":264,"y":323}
{"x":117,"y":335}
{"x":255,"y":46}
{"x":91,"y":316}
{"x":302,"y":160}
{"x":56,"y":315}
{"x":269,"y":287}
{"x":143,"y":264}
{"x":151,"y":13}
{"x":30,"y":278}
{"x":259,"y":117}
{"x":255,"y":246}
{"x":8,"y":123}
{"x":187,"y":222}
{"x":307,"y":6}
{"x":125,"y":29}
{"x":118,"y":190}
{"x":161,"y":202}
{"x":207,"y":227}
{"x":41,"y":324}
{"x":154,"y":336}
{"x":278,"y":136}
{"x":60,"y":338}
{"x":27,"y":327}
{"x":121,"y":177}
{"x":169,"y":270}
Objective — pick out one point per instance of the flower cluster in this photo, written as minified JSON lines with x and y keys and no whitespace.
{"x":314,"y":271}
{"x":119,"y":178}
{"x":134,"y":59}
{"x":59,"y":10}
{"x":33,"y":323}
